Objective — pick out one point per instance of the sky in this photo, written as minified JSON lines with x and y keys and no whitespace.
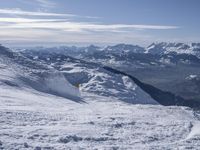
{"x":59,"y":22}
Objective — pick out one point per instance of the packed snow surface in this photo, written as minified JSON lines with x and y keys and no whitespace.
{"x":34,"y":120}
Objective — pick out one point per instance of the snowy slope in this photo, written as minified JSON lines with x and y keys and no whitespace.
{"x":36,"y":115}
{"x":35,"y":120}
{"x":104,"y":83}
{"x":21,"y":72}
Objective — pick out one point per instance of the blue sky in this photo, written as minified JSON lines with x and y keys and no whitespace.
{"x":44,"y":22}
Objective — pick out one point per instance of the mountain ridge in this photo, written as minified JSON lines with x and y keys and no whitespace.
{"x":159,"y":48}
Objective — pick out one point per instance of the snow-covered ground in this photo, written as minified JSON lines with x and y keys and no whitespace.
{"x":34,"y":120}
{"x":40,"y":109}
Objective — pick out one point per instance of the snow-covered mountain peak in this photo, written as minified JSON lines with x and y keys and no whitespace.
{"x":125,"y":48}
{"x":178,"y":48}
{"x":92,"y":48}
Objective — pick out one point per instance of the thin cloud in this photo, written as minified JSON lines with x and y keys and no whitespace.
{"x":36,"y":26}
{"x":44,"y":36}
{"x":31,"y":13}
{"x":46,"y":3}
{"x":20,"y":12}
{"x":76,"y":26}
{"x":25,"y":20}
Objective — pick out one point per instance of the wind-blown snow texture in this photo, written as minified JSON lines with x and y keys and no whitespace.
{"x":40,"y":109}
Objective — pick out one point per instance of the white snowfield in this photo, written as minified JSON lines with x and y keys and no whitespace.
{"x":43,"y":110}
{"x":34,"y":120}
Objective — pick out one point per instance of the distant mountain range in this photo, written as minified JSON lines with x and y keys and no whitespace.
{"x":167,"y":66}
{"x":46,"y":72}
{"x":177,"y":48}
{"x":155,"y":48}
